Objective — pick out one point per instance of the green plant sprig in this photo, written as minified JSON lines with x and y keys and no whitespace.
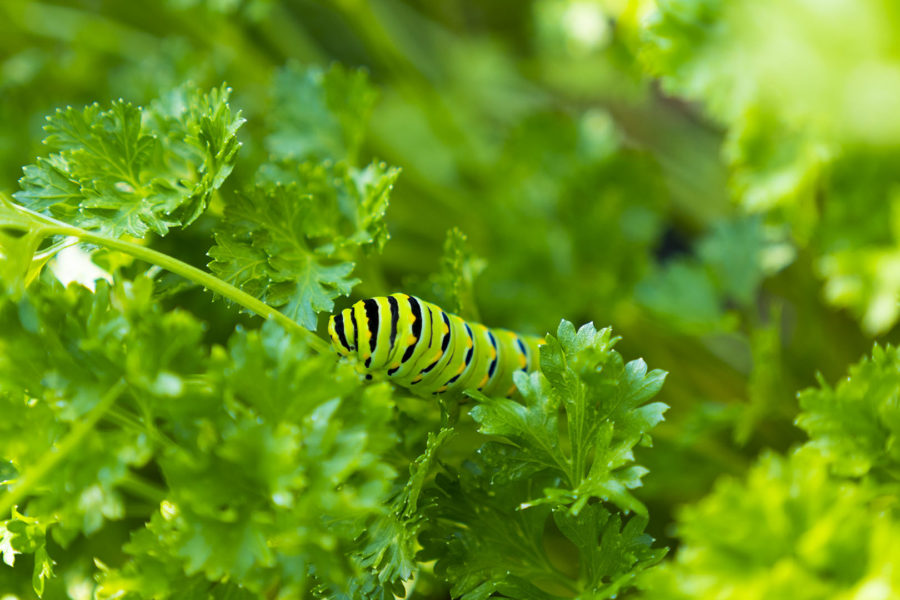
{"x":16,"y":217}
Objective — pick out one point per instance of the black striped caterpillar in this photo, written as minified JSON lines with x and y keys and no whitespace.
{"x":429,"y":351}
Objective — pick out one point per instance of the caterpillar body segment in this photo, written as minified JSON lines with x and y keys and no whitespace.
{"x":429,"y":351}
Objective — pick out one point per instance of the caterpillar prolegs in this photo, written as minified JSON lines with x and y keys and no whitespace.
{"x":428,"y":350}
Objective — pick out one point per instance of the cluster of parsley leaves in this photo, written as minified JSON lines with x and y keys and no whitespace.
{"x":261,"y":466}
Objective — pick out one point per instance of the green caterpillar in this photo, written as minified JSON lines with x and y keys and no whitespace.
{"x":429,"y":351}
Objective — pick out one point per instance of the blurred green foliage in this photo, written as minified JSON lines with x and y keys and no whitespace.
{"x":718,"y":181}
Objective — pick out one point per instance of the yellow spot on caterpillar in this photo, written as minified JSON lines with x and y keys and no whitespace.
{"x":410,"y":340}
{"x":417,"y":379}
{"x":443,"y":388}
{"x":395,"y":366}
{"x":461,"y":367}
{"x":483,"y":381}
{"x":512,"y":389}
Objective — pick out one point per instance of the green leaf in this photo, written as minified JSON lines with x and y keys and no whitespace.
{"x":43,"y":569}
{"x":201,"y":129}
{"x":683,"y":293}
{"x":289,"y":243}
{"x":487,"y":524}
{"x":855,"y":425}
{"x":610,"y":555}
{"x":485,"y":543}
{"x":787,"y":530}
{"x":273,"y":479}
{"x":741,"y":253}
{"x":319,"y":114}
{"x":127,"y":170}
{"x":391,"y":544}
{"x":454,"y":284}
{"x":78,"y":351}
{"x":27,"y":535}
{"x":17,"y":263}
{"x":864,"y":280}
{"x":606,"y":415}
{"x":20,"y":535}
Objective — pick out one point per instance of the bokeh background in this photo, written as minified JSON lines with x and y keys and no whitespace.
{"x":718,"y":181}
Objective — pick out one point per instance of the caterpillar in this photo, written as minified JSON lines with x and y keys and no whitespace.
{"x":428,"y":350}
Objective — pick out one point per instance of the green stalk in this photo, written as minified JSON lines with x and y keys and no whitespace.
{"x":51,"y":458}
{"x":51,"y":226}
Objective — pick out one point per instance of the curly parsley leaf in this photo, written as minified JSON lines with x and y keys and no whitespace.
{"x":126,"y":170}
{"x":856,"y":423}
{"x":391,"y":542}
{"x":18,"y":265}
{"x":271,"y":486}
{"x":604,"y":402}
{"x":27,"y":535}
{"x":454,"y":283}
{"x":319,"y":114}
{"x":262,"y":461}
{"x":623,"y":551}
{"x":289,"y":239}
{"x":683,"y":293}
{"x":79,"y":360}
{"x":486,"y":544}
{"x":741,"y":253}
{"x":788,"y":530}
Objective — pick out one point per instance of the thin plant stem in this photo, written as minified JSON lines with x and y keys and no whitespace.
{"x":51,"y":226}
{"x":52,"y":457}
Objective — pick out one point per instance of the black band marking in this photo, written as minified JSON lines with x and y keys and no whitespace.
{"x":339,"y":330}
{"x":524,"y":352}
{"x":430,"y":367}
{"x":446,"y":341}
{"x":493,"y":340}
{"x":355,"y":329}
{"x":395,"y":319}
{"x":493,"y":366}
{"x":416,"y":309}
{"x":371,"y":307}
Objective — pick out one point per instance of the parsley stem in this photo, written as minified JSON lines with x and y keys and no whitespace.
{"x":209,"y":281}
{"x":142,"y":488}
{"x":52,"y":226}
{"x":51,"y":458}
